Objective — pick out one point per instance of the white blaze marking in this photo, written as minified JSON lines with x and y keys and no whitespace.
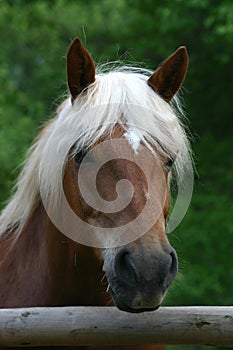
{"x":133,"y":139}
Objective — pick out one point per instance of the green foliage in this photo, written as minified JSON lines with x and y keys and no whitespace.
{"x":35,"y":36}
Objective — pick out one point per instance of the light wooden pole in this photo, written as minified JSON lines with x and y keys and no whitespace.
{"x":73,"y":326}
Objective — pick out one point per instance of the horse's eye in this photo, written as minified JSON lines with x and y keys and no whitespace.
{"x":78,"y":157}
{"x":169,"y":163}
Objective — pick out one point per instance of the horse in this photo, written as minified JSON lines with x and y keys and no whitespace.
{"x":61,"y":247}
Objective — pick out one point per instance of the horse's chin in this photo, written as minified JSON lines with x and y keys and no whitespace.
{"x":126,"y":308}
{"x":121,"y":305}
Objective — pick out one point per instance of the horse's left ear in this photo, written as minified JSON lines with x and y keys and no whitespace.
{"x":80,"y":68}
{"x":168,"y":78}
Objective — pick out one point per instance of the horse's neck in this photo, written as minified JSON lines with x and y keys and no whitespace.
{"x":45,"y":268}
{"x":77,"y":269}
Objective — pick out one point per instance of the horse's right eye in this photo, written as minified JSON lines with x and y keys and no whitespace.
{"x":78,"y":157}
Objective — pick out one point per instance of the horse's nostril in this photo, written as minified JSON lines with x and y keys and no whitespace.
{"x":124,"y":268}
{"x":174,"y":263}
{"x":167,"y":267}
{"x":160,"y":270}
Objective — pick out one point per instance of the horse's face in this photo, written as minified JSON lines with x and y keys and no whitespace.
{"x":141,"y":266}
{"x":139,"y":272}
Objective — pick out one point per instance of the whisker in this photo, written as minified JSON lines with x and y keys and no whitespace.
{"x":103,"y":278}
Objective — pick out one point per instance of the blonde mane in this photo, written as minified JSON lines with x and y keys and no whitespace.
{"x":119,"y":97}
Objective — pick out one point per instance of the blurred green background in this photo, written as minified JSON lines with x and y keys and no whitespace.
{"x":34,"y":40}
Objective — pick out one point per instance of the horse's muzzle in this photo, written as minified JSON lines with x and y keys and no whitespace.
{"x":139,"y":283}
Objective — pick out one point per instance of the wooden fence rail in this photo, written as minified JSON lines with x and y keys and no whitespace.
{"x":74,"y":326}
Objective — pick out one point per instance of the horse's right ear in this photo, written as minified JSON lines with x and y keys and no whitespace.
{"x":80,"y":68}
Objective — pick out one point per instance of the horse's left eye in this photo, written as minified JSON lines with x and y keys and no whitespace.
{"x":169,"y":163}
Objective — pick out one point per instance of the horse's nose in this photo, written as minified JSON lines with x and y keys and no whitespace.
{"x":125,"y":269}
{"x":160,"y":268}
{"x":167,"y":267}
